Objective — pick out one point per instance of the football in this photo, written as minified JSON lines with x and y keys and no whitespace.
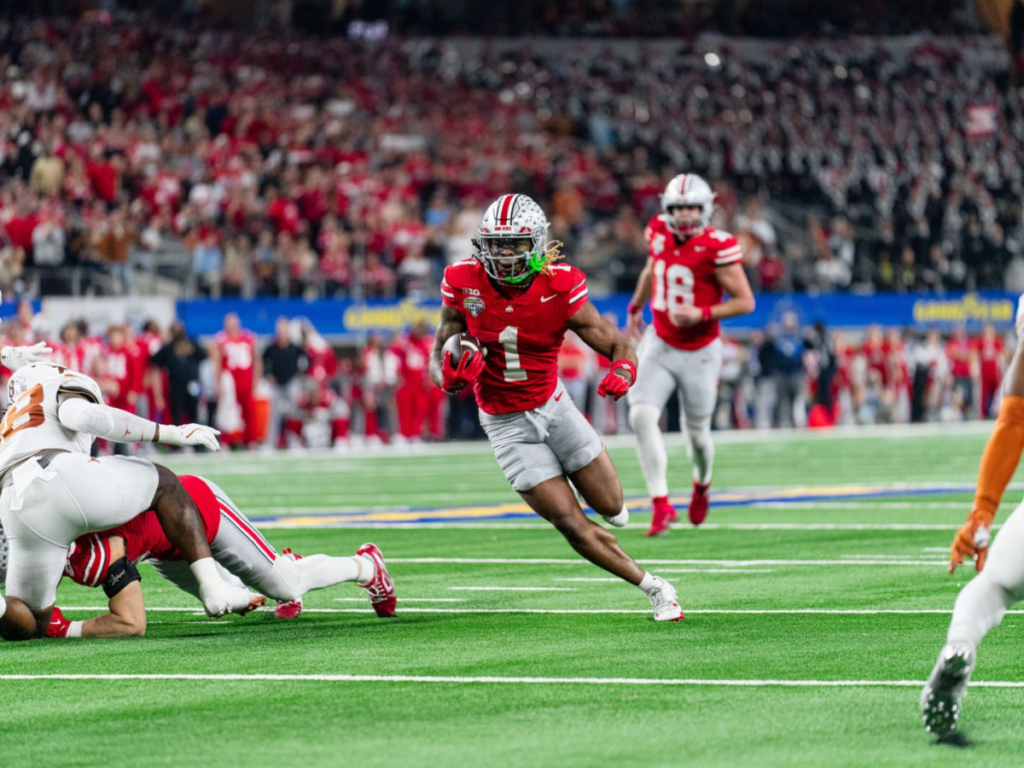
{"x":463,"y":342}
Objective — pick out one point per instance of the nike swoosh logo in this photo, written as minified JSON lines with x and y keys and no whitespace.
{"x":546,"y":299}
{"x":559,"y":396}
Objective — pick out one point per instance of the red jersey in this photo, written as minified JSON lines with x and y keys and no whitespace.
{"x":121,"y":365}
{"x":959,"y":353}
{"x":89,"y":555}
{"x":413,"y":357}
{"x":522,"y":330}
{"x":684,"y":275}
{"x":75,"y":357}
{"x":990,"y":353}
{"x":238,"y":354}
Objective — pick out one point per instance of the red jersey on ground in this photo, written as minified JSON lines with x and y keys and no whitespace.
{"x":684,"y":275}
{"x":89,"y":555}
{"x":522,"y":329}
{"x":238,"y":354}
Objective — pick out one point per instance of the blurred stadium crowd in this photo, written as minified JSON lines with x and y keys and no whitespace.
{"x":282,"y":165}
{"x":295,"y":390}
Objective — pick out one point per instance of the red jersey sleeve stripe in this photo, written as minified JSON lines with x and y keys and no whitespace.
{"x":730,"y":251}
{"x":581,"y":295}
{"x":729,"y":259}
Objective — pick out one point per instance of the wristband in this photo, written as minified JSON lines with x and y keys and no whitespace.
{"x":705,"y":314}
{"x":632,"y":309}
{"x":628,"y":366}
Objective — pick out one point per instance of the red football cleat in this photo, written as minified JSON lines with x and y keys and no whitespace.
{"x":664,"y":513}
{"x":288,"y":610}
{"x":699,"y":503}
{"x":381,"y":588}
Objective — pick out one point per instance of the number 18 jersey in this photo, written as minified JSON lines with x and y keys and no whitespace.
{"x":522,"y":330}
{"x":30,"y":424}
{"x":684,"y":274}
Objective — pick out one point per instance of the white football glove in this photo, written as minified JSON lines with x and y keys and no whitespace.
{"x":220,"y":598}
{"x":18,"y":357}
{"x":190,"y":434}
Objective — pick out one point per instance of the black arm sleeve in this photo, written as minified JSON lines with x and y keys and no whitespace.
{"x":120,"y":574}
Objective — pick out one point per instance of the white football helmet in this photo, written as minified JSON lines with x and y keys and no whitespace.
{"x":688,"y":189}
{"x":512,"y":239}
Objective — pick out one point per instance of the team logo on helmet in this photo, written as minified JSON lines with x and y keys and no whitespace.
{"x":474,"y":305}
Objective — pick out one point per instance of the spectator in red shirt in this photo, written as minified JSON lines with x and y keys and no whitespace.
{"x":961,"y":355}
{"x":991,"y":355}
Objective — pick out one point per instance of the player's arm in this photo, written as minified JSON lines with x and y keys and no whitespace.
{"x":741,"y":297}
{"x":601,"y":335}
{"x":452,"y":322}
{"x":79,"y":414}
{"x":998,"y":463}
{"x":641,"y":295}
{"x":127,"y":617}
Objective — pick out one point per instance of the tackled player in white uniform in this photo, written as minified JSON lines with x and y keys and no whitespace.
{"x":53,"y":491}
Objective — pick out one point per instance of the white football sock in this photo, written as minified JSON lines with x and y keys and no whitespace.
{"x":649,"y":583}
{"x":290,"y":579}
{"x":702,"y":453}
{"x":650,"y":447}
{"x":619,"y":520}
{"x":981,"y":605}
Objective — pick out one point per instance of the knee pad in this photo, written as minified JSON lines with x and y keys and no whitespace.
{"x":283,"y":581}
{"x":644,"y":417}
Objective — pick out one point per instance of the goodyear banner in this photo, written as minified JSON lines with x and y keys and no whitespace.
{"x":350,"y":321}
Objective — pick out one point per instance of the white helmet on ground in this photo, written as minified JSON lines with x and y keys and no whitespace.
{"x":512,"y":239}
{"x":688,"y":189}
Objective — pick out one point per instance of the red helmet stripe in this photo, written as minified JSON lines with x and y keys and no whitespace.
{"x":506,"y":205}
{"x":683,"y":187}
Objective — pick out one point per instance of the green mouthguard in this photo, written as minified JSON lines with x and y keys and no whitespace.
{"x":534,"y":264}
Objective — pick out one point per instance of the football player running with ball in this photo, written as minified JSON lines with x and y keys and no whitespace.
{"x":690,"y":266}
{"x":518,"y":303}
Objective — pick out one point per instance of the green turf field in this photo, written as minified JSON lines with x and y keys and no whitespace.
{"x":825,"y":571}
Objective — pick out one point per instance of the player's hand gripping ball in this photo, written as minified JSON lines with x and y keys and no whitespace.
{"x":462,"y":361}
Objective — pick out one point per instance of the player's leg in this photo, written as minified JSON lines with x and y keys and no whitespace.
{"x":979,"y":608}
{"x":34,"y":569}
{"x":655,"y":384}
{"x":698,"y":379}
{"x":554,"y":500}
{"x":242,"y":549}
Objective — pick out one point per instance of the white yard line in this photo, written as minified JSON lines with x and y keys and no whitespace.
{"x":610,"y":611}
{"x":513,"y":589}
{"x":527,"y":526}
{"x":452,"y":679}
{"x":409,"y":599}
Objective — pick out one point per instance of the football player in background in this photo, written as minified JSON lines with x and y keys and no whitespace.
{"x":234,"y":352}
{"x":246,"y":559}
{"x":518,"y":302}
{"x":689,"y":268}
{"x":53,"y":492}
{"x":984,"y":600}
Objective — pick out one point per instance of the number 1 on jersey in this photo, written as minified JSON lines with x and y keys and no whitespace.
{"x":509,"y":339}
